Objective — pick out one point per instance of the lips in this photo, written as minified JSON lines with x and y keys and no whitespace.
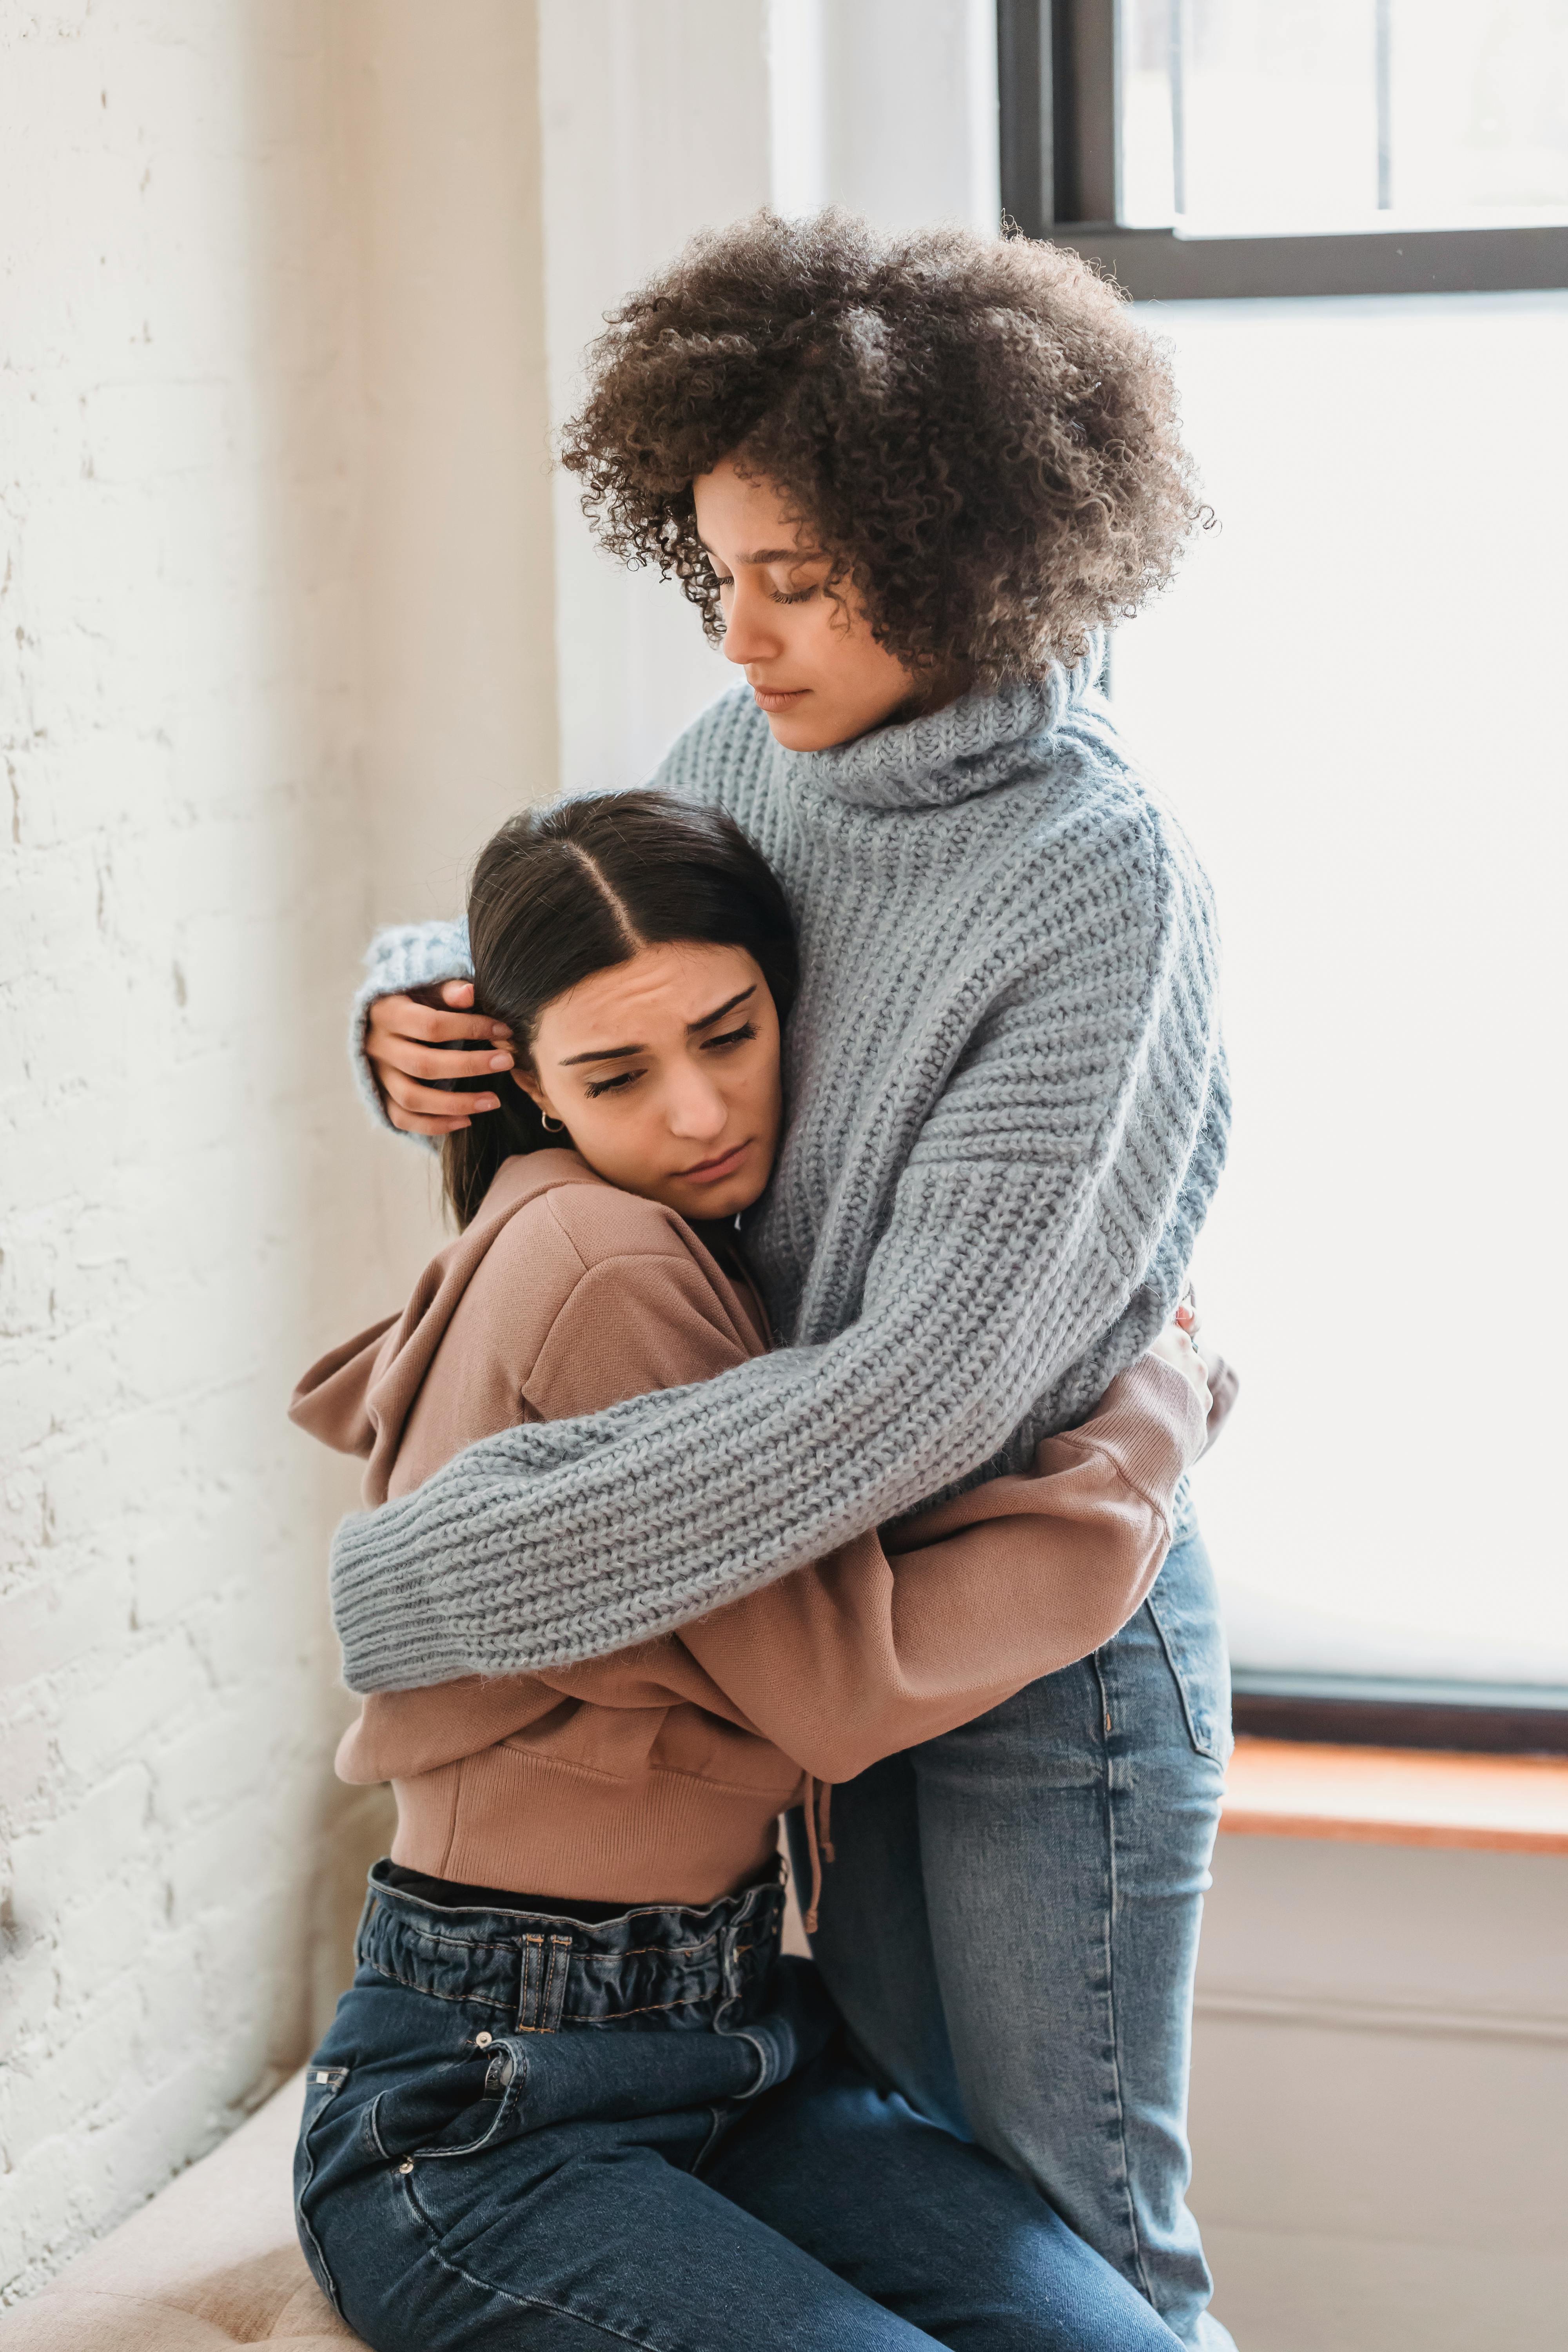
{"x":711,"y":1171}
{"x":777,"y":698}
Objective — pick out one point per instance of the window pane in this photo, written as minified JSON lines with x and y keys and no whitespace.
{"x":1352,"y":695}
{"x":1145,"y":30}
{"x":1281,"y":116}
{"x":1478,"y":115}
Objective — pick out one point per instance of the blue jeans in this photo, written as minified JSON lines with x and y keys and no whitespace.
{"x":1011,"y":1929}
{"x":524,"y":2130}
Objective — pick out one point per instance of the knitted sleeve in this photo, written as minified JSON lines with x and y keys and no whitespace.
{"x":410,"y":955}
{"x":1034,"y":1244}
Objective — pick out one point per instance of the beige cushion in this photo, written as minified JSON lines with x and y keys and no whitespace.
{"x":212,"y":2261}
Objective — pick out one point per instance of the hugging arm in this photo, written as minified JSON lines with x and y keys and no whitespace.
{"x":892,"y":1640}
{"x":1031,"y":1238}
{"x":895,"y":1637}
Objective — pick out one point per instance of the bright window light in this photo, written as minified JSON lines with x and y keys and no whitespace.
{"x":1252,"y":117}
{"x":1353,"y":697}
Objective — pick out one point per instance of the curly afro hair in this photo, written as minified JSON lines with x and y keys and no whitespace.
{"x":972,"y":429}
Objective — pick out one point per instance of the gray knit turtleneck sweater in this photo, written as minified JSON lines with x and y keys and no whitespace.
{"x":1008,"y":1115}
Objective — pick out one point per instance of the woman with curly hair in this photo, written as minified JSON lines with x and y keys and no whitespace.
{"x":907,"y":481}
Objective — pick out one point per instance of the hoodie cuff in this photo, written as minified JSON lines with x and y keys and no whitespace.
{"x":1152,"y":1425}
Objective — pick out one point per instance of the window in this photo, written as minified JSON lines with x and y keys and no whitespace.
{"x":1352,"y":694}
{"x":1255,"y":147}
{"x":1346,"y":114}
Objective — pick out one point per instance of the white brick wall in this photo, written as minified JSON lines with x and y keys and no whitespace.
{"x":196,"y":835}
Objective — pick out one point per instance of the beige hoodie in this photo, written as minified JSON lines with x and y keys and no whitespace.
{"x":658,"y":1774}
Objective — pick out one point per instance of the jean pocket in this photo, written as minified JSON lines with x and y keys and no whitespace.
{"x":1185,"y":1606}
{"x":458,"y":2109}
{"x":323,"y":2084}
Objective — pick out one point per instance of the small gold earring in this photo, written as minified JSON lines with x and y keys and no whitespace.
{"x":552,"y":1126}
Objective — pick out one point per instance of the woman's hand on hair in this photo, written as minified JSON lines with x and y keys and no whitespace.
{"x":411,"y":1040}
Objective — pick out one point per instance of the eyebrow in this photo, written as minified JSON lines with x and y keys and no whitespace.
{"x":619,"y":1053}
{"x":771,"y":554}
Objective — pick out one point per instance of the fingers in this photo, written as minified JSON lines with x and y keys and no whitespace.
{"x":407,"y":1044}
{"x":406,"y":1124}
{"x":449,"y":1110}
{"x":1197,"y":1372}
{"x":459,"y":995}
{"x":447,"y":1121}
{"x":1177,"y":1350}
{"x":405,"y":1016}
{"x":416,"y":1061}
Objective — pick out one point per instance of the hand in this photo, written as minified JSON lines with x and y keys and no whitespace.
{"x":1173,"y":1347}
{"x":1224,"y":1381}
{"x":407,"y":1040}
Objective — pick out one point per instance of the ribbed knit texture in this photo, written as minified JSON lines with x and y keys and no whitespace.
{"x":1008,"y":1115}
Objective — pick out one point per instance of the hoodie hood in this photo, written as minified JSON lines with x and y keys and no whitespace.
{"x":358,"y":1398}
{"x":970,"y":747}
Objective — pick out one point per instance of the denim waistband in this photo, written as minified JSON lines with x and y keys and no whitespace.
{"x":671,"y":1966}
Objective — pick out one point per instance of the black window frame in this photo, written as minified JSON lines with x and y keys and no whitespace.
{"x":1059,"y":132}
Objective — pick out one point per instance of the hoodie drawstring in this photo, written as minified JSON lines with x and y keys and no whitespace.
{"x":817,"y":1797}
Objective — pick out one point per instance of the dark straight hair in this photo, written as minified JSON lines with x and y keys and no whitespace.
{"x":563,"y":892}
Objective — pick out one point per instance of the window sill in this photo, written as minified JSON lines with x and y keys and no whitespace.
{"x":1390,"y":1796}
{"x":1157,"y":264}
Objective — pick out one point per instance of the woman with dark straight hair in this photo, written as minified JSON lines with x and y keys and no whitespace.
{"x":576,"y":2091}
{"x":561,"y":893}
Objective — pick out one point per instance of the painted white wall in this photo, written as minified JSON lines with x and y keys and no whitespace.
{"x":663,"y":117}
{"x":255,"y":691}
{"x":655,"y":124}
{"x":453,"y":450}
{"x":1379,"y":2078}
{"x":455,"y":561}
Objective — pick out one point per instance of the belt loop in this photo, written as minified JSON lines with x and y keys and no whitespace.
{"x":527,"y":1987}
{"x":543,"y":1990}
{"x":730,"y":1952}
{"x":560,"y":1969}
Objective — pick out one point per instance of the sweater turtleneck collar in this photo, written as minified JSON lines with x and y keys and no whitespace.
{"x":969,"y":747}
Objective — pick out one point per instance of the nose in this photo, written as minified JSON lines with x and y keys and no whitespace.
{"x":694,"y":1106}
{"x":751,"y":627}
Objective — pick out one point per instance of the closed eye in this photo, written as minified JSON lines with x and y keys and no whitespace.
{"x":778,"y":595}
{"x":625,"y":1078}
